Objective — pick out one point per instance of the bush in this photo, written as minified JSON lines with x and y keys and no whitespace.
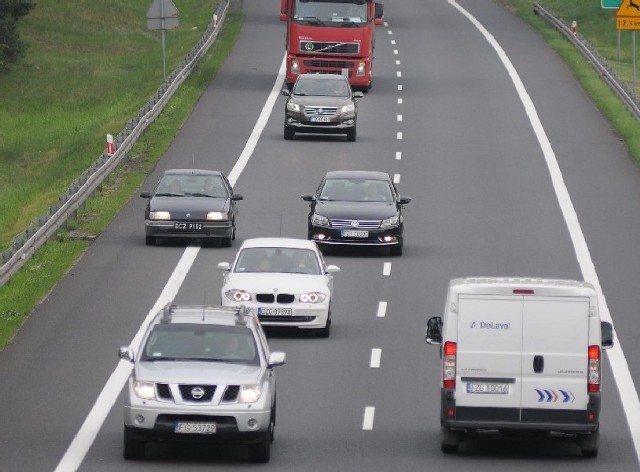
{"x":11,"y":46}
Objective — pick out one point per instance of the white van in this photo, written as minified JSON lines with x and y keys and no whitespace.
{"x":520,"y":355}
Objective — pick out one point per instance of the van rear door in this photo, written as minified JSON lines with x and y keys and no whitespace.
{"x":554,"y":357}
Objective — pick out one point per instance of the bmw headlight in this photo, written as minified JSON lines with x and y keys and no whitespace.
{"x":319,"y":220}
{"x":217,"y":216}
{"x":145,"y":390}
{"x":238,"y":295}
{"x":346,"y":108}
{"x":249,"y":393}
{"x":391,"y":221}
{"x":291,"y":106}
{"x":159,"y":215}
{"x":313,"y":297}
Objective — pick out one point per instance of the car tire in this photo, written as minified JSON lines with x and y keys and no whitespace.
{"x":150,"y":240}
{"x":589,"y":444}
{"x":288,"y":133}
{"x":351,"y":134}
{"x":272,"y":424}
{"x":133,"y":449}
{"x":326,"y":331}
{"x":449,"y":440}
{"x":261,"y":451}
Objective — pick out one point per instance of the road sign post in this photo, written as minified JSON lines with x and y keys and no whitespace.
{"x":162,"y":15}
{"x":628,"y":18}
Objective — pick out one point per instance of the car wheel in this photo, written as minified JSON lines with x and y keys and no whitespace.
{"x":351,"y":134}
{"x":288,"y":133}
{"x":272,"y":424}
{"x":150,"y":240}
{"x":589,"y":444}
{"x":326,"y":331}
{"x":133,"y":448}
{"x":261,"y":452}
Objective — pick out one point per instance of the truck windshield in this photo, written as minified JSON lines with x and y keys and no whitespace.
{"x":330,"y":13}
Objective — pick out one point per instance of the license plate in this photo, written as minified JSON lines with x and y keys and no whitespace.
{"x":320,"y":119}
{"x":188,"y":226}
{"x":194,"y":428}
{"x":352,"y":233}
{"x":502,"y":389}
{"x":275,"y":311}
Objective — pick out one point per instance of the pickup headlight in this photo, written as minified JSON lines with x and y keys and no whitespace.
{"x":319,"y":220}
{"x":346,"y":108}
{"x":145,"y":390}
{"x":238,"y":295}
{"x":159,"y":215}
{"x":249,"y":393}
{"x":313,"y":297}
{"x":291,"y":106}
{"x":217,"y":216}
{"x":391,"y":221}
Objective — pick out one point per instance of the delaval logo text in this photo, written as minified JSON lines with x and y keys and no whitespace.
{"x":490,"y":325}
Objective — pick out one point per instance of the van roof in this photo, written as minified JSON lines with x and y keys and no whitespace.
{"x":506,"y":286}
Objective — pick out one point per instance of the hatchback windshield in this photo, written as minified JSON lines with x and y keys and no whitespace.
{"x":277,"y":259}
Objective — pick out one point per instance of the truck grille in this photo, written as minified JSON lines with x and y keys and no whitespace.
{"x":362,"y":224}
{"x":231,"y":394}
{"x":329,"y":48}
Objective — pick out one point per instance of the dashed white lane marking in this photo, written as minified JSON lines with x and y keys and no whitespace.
{"x":399,"y":135}
{"x":398,"y":156}
{"x":393,"y":41}
{"x":624,"y":381}
{"x":382,"y":310}
{"x":386,"y":270}
{"x":399,"y":88}
{"x":367,"y":421}
{"x":396,"y":178}
{"x":399,"y":118}
{"x":399,"y":74}
{"x":397,"y":62}
{"x":395,"y":52}
{"x":399,"y":101}
{"x":389,"y":32}
{"x":376,"y":355}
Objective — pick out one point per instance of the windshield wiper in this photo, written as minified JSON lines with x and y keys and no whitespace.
{"x":311,"y":19}
{"x":169,"y":195}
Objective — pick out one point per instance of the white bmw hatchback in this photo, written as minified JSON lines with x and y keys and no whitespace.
{"x":285,"y":280}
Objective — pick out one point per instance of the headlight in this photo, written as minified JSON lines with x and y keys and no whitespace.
{"x":249,"y":393}
{"x":319,"y":220}
{"x":217,"y":216}
{"x":159,"y":215}
{"x":295,"y":66}
{"x":346,"y":108}
{"x":361,"y":69}
{"x":145,"y":390}
{"x":313,"y":297}
{"x":238,"y":295}
{"x":391,"y":221}
{"x":291,"y":106}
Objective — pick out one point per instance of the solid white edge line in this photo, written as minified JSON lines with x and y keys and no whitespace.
{"x":386,"y":269}
{"x":376,"y":355}
{"x":83,"y":440}
{"x":367,"y":421}
{"x":382,"y":310}
{"x":619,"y":366}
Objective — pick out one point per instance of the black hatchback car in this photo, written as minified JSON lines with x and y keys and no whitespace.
{"x":360,"y":208}
{"x":191,"y":203}
{"x":321,"y":103}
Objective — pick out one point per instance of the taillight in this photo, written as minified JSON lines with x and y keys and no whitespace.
{"x":449,"y":365}
{"x":593,"y":376}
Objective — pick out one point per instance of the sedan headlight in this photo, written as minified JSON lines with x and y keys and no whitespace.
{"x":238,"y":295}
{"x":291,"y":106}
{"x":346,"y":108}
{"x":391,"y":221}
{"x":217,"y":216}
{"x":145,"y":390}
{"x":319,"y":220}
{"x":249,"y":393}
{"x":159,"y":215}
{"x":313,"y":297}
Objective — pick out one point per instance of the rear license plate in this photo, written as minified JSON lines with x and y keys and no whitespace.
{"x":352,"y":233}
{"x":188,"y":226}
{"x":275,"y":311}
{"x":502,"y":389}
{"x":320,"y":119}
{"x":194,"y":428}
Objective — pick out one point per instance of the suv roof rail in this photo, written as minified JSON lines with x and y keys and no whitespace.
{"x":242,"y":314}
{"x":167,"y":310}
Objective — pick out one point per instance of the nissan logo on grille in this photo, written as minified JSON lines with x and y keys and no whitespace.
{"x":197,"y":392}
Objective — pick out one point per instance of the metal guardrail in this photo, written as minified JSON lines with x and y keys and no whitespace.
{"x":26,"y":244}
{"x":600,"y":65}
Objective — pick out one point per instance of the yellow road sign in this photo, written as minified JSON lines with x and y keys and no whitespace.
{"x":629,"y":9}
{"x":627,"y":23}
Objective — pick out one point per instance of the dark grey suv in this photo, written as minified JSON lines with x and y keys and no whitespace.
{"x":321,"y":103}
{"x":204,"y":374}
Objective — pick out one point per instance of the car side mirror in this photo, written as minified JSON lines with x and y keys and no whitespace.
{"x":606,"y":330}
{"x":434,"y":331}
{"x":358,"y":94}
{"x":145,"y":194}
{"x":126,"y":353}
{"x":404,"y":200}
{"x":286,"y":92}
{"x":224,"y":266}
{"x":277,"y":358}
{"x":236,"y":196}
{"x":333,"y":269}
{"x":307,"y":197}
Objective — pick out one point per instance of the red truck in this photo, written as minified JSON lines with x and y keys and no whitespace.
{"x":331,"y":37}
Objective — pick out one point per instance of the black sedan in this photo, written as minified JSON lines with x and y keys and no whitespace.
{"x":321,"y":103}
{"x":191,"y":203}
{"x":357,"y":208}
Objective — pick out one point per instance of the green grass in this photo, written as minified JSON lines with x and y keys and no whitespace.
{"x":53,"y":260}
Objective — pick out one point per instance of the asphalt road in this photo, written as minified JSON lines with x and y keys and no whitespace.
{"x":443,"y":116}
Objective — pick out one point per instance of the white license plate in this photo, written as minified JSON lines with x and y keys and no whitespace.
{"x":320,"y":119}
{"x":194,"y":428}
{"x":352,"y":233}
{"x":188,"y":226}
{"x":275,"y":311}
{"x":502,"y":389}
